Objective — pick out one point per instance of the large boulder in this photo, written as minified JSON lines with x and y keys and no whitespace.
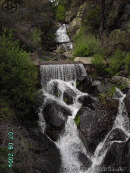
{"x":95,"y":123}
{"x":47,"y":152}
{"x":55,"y":116}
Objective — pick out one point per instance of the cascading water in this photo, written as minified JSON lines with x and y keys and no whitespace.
{"x":69,"y":142}
{"x":62,"y":37}
{"x":65,"y":72}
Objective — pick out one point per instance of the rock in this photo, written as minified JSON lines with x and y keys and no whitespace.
{"x":96,"y":88}
{"x":86,"y":100}
{"x":84,"y":60}
{"x":60,"y":49}
{"x":95,"y":124}
{"x":117,"y":135}
{"x":127,"y":102}
{"x":85,"y":161}
{"x":46,"y":151}
{"x":68,"y":96}
{"x":70,"y":15}
{"x":118,"y":157}
{"x":55,"y":116}
{"x":124,"y":73}
{"x":53,"y":89}
{"x":68,"y":54}
{"x":122,"y":81}
{"x":84,"y":84}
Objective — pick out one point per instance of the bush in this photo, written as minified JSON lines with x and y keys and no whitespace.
{"x":18,"y":76}
{"x":60,"y":13}
{"x":127,"y":62}
{"x":99,"y":63}
{"x":86,"y":45}
{"x":116,"y":61}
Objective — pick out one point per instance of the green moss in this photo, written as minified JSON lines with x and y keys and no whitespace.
{"x":77,"y":119}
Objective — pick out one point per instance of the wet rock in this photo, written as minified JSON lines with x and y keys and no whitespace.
{"x":127,"y":102}
{"x":69,"y":96}
{"x":117,"y":135}
{"x":48,"y":154}
{"x":95,"y":124}
{"x":86,"y":162}
{"x":86,"y":100}
{"x":55,"y":116}
{"x":84,"y":84}
{"x":118,"y":157}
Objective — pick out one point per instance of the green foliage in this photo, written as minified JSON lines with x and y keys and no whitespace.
{"x":18,"y":76}
{"x":127,"y":62}
{"x":60,"y":13}
{"x":77,"y":119}
{"x":5,"y":110}
{"x":86,"y":45}
{"x":116,"y":62}
{"x":36,"y":37}
{"x":99,"y":63}
{"x":93,"y":17}
{"x":4,"y":168}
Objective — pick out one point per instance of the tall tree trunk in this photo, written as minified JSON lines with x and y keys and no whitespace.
{"x":102,"y":19}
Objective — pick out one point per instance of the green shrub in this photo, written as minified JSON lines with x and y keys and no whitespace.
{"x":18,"y":76}
{"x":86,"y":45}
{"x":98,"y":61}
{"x":127,"y":62}
{"x":116,"y":61}
{"x":60,"y":13}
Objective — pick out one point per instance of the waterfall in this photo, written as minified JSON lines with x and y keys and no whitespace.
{"x":64,"y":76}
{"x":62,"y":37}
{"x":65,"y":72}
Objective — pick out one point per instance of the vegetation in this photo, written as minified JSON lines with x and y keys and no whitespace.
{"x":77,"y":119}
{"x":18,"y":76}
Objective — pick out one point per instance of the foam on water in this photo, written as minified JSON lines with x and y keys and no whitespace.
{"x":69,"y":142}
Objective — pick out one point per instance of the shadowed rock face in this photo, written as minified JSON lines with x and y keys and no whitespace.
{"x":46,"y":151}
{"x":118,"y":157}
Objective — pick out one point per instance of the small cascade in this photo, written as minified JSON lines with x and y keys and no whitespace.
{"x":62,"y":37}
{"x":65,"y":72}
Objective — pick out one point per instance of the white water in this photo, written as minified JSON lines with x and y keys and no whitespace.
{"x":65,"y":72}
{"x":69,"y":143}
{"x":62,"y":37}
